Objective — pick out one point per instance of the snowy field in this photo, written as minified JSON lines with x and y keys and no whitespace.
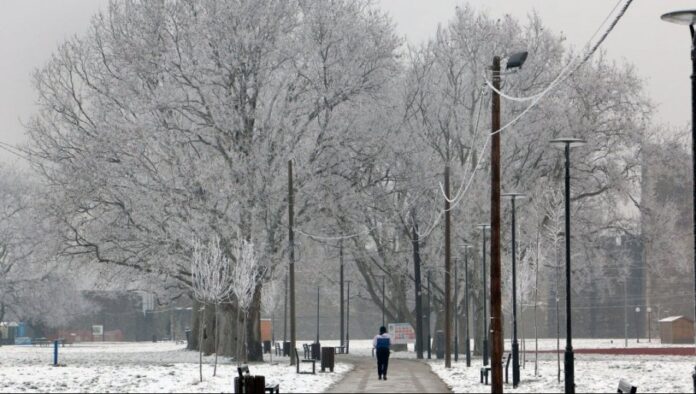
{"x":587,"y":343}
{"x":140,"y":367}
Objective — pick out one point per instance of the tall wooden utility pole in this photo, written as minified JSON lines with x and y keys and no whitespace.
{"x":496,"y":297}
{"x":291,"y":239}
{"x":419,"y":287}
{"x":448,"y":267}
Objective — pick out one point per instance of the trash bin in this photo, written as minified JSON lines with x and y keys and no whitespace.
{"x":316,"y":351}
{"x":188,"y":338}
{"x":266,"y":346}
{"x":328,"y":358}
{"x":250,"y":384}
{"x":440,"y":344}
{"x":286,"y":349}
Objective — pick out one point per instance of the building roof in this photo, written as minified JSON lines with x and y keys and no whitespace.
{"x":674,"y":318}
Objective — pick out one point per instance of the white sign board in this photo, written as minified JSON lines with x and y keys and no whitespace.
{"x":97,"y":331}
{"x":401,"y":333}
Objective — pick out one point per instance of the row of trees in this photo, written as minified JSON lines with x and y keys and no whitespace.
{"x":169,"y":122}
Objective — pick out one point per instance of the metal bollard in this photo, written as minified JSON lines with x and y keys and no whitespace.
{"x":55,"y":353}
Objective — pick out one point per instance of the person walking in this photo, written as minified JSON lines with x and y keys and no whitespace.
{"x":382,"y":343}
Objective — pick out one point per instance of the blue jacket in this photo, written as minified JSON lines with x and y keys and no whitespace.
{"x":382,"y":341}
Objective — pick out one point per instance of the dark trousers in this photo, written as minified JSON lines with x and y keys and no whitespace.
{"x":382,"y":361}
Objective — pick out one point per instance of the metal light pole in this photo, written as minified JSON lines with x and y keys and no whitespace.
{"x":486,"y":334}
{"x":515,"y":346}
{"x":317,"y":314}
{"x":625,"y":314}
{"x":566,"y":144}
{"x":456,"y":309}
{"x":637,"y":331}
{"x":429,"y":312}
{"x":285,"y":312}
{"x":419,"y":288}
{"x":448,"y":267}
{"x":383,"y":321}
{"x":291,"y":258}
{"x":348,"y":317}
{"x":649,"y":333}
{"x":688,"y":17}
{"x":467,"y":345}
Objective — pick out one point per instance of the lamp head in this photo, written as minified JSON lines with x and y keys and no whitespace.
{"x":567,"y":141}
{"x":516,"y":60}
{"x":684,"y":17}
{"x":513,"y":195}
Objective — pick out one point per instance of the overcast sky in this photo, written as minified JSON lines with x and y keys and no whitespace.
{"x":30,"y":30}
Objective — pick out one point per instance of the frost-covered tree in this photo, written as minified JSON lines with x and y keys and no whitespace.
{"x":212,"y":282}
{"x":171,"y":119}
{"x":35,"y":286}
{"x":246,"y":274}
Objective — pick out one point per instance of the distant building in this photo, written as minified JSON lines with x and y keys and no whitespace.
{"x":676,"y":329}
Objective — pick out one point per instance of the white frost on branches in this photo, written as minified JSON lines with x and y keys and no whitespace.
{"x":212,"y":275}
{"x":245,"y":275}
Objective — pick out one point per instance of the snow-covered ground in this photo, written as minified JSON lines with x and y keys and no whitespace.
{"x":168,"y":367}
{"x":140,"y":367}
{"x":593,"y":373}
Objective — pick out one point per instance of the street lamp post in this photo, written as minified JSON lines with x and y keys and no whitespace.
{"x":467,"y":345}
{"x":456,"y":309}
{"x":637,"y":331}
{"x":348,"y":317}
{"x":383,"y":320}
{"x":649,"y":310}
{"x":484,"y":227}
{"x":317,"y":315}
{"x":688,"y":17}
{"x":430,"y":293}
{"x":515,"y":346}
{"x":566,"y":144}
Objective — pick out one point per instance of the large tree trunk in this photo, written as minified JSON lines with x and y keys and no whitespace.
{"x":228,"y":329}
{"x":208,"y":330}
{"x":195,"y":324}
{"x":253,"y":328}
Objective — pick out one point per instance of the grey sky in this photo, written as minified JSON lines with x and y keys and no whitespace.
{"x":30,"y":30}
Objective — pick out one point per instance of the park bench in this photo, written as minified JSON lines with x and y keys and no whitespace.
{"x":486,"y":369}
{"x":626,"y":387}
{"x":268,"y":388}
{"x":340,"y":349}
{"x":40,"y":341}
{"x":298,"y":361}
{"x":307,"y":351}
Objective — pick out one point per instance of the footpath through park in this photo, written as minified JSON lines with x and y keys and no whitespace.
{"x":404,"y":376}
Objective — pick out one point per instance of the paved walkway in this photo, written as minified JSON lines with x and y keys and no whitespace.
{"x":405,"y":376}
